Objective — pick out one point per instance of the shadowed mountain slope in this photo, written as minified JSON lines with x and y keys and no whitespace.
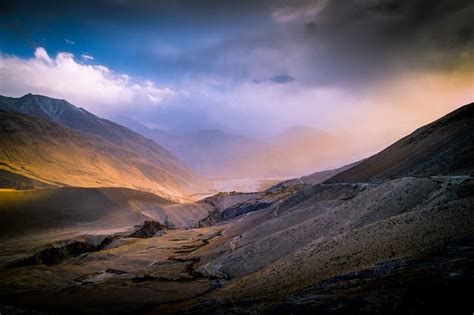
{"x":443,"y":147}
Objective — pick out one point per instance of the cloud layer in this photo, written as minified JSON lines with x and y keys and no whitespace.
{"x":94,"y":87}
{"x":371,"y":69}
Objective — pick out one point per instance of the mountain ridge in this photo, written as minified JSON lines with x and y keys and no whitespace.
{"x":154,"y":162}
{"x":442,"y":147}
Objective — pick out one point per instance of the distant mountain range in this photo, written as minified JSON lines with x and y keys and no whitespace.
{"x":215,"y":153}
{"x":212,"y":152}
{"x":54,"y":142}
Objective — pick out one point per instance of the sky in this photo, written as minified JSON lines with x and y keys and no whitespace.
{"x":372,"y":70}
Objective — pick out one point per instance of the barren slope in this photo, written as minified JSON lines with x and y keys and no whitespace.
{"x":45,"y":151}
{"x":161,"y":164}
{"x":443,"y":147}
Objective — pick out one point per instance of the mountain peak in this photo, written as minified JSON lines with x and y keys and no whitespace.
{"x":43,"y":98}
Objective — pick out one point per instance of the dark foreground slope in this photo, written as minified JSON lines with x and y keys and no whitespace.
{"x":444,"y":147}
{"x":161,"y":163}
{"x":394,"y":246}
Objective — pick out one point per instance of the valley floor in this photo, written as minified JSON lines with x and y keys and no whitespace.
{"x":243,"y":185}
{"x":404,"y":246}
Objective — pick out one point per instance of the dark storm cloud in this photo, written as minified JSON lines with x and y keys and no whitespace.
{"x":353,"y":40}
{"x":282,"y":79}
{"x":278,"y":79}
{"x":336,"y":42}
{"x":122,"y":11}
{"x":340,"y":42}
